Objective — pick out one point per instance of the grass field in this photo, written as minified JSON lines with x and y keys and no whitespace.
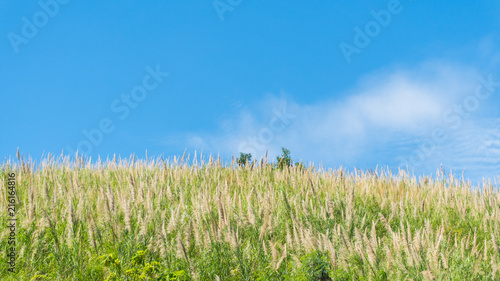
{"x":154,"y":220}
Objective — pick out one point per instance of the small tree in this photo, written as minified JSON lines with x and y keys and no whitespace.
{"x":284,"y":160}
{"x":244,"y":159}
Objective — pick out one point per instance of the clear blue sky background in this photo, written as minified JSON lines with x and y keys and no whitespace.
{"x":231,"y":72}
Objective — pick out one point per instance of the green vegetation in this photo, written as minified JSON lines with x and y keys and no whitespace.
{"x":244,"y":159}
{"x":156,"y":220}
{"x":284,"y":160}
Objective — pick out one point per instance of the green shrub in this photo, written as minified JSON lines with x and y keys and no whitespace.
{"x":284,"y":160}
{"x":244,"y":159}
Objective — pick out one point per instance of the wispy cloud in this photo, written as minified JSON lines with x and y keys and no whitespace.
{"x":383,"y":119}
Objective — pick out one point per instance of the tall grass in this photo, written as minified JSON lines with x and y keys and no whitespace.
{"x":129,"y":219}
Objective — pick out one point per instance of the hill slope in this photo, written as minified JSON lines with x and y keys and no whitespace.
{"x":137,"y":220}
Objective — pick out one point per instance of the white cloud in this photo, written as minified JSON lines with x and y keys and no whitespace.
{"x":384,"y":117}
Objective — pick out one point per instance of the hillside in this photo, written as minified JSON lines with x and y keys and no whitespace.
{"x":153,"y":220}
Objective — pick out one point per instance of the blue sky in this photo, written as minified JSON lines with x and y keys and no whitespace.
{"x":351,"y":83}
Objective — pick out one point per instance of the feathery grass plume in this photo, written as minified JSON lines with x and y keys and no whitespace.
{"x":70,"y":223}
{"x":296,"y":238}
{"x":207,"y":239}
{"x":474,"y":245}
{"x":46,"y":194}
{"x":144,"y":226}
{"x":345,"y":239}
{"x":250,"y":211}
{"x":52,"y":227}
{"x":373,"y":235}
{"x":283,"y":256}
{"x":494,"y":268}
{"x":127,"y":218}
{"x":60,"y":190}
{"x":242,"y":218}
{"x":389,"y":258}
{"x":358,"y":238}
{"x":263,"y":228}
{"x":331,"y":250}
{"x":196,"y":222}
{"x":370,"y":251}
{"x":349,"y":213}
{"x":103,"y":205}
{"x":288,"y":238}
{"x":417,"y":248}
{"x":496,"y":249}
{"x":274,"y":253}
{"x":111,"y":199}
{"x":31,"y":204}
{"x":444,"y":261}
{"x":386,"y":224}
{"x":187,"y":234}
{"x":221,"y":213}
{"x":428,"y":275}
{"x":91,"y":233}
{"x":485,"y":256}
{"x":172,"y":224}
{"x":161,"y":241}
{"x":80,"y":208}
{"x":407,"y":247}
{"x":36,"y":239}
